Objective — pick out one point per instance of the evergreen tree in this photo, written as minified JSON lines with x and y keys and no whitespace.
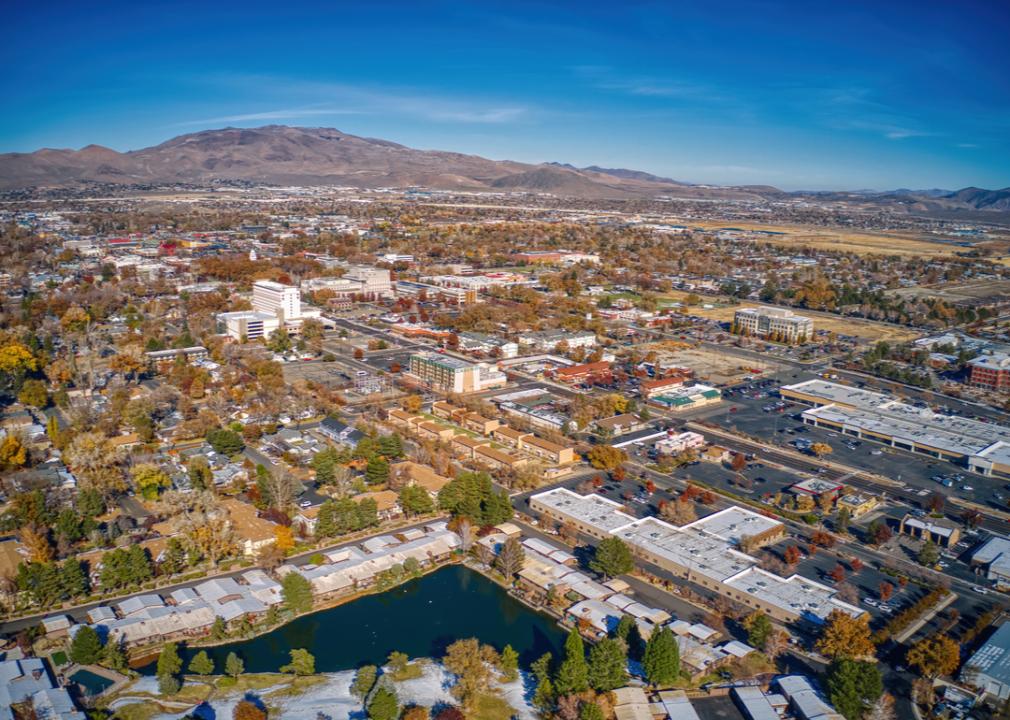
{"x":573,"y":675}
{"x":233,"y":665}
{"x":612,"y":558}
{"x":74,"y":581}
{"x":86,"y":647}
{"x":364,"y":681}
{"x":589,"y":710}
{"x":169,"y":666}
{"x":627,"y":631}
{"x":384,"y":705}
{"x":297,"y":593}
{"x":377,"y":470}
{"x":543,"y":698}
{"x":201,"y":664}
{"x":607,"y":665}
{"x":852,"y":686}
{"x":114,"y":658}
{"x":661,"y":661}
{"x":508,"y":663}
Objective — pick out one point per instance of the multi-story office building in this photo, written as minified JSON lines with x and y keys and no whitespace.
{"x":774,"y":323}
{"x":284,"y":301}
{"x":451,"y":375}
{"x":990,"y":371}
{"x":247,"y":324}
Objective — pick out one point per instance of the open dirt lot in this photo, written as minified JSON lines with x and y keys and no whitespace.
{"x":717,"y":368}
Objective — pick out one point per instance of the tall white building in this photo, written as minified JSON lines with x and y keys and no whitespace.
{"x":778,"y":323}
{"x":284,"y":301}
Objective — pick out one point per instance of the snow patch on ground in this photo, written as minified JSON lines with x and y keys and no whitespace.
{"x":332,"y":698}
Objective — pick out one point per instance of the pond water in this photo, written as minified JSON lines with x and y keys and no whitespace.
{"x":93,"y":684}
{"x":420,"y":618}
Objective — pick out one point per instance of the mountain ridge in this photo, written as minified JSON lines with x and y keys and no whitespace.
{"x":285,"y":155}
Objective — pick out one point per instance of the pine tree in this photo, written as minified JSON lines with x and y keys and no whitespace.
{"x":607,"y":665}
{"x":86,"y":647}
{"x":661,"y":661}
{"x":573,"y":675}
{"x":201,"y":664}
{"x":114,"y":658}
{"x":543,"y":698}
{"x":508,"y":663}
{"x":169,"y":666}
{"x":233,"y":665}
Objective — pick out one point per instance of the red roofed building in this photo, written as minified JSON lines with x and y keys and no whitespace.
{"x":589,"y":373}
{"x":650,"y":388}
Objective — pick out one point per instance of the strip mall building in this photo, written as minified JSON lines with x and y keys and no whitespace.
{"x":981,"y":447}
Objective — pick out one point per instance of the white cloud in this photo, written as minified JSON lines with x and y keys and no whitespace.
{"x":307,"y":98}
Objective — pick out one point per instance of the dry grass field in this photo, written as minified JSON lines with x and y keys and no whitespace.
{"x":863,"y":243}
{"x":867,"y":330}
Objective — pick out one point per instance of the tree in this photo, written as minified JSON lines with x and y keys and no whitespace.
{"x":415,"y":712}
{"x":86,"y":647}
{"x":13,"y":453}
{"x":233,"y":665}
{"x":590,"y":710}
{"x":508,"y":664}
{"x":364,"y":680}
{"x":846,"y":637}
{"x":852,"y":686}
{"x":510,"y":558}
{"x":627,"y":632}
{"x":34,"y":393}
{"x":573,"y":675}
{"x":169,"y":666}
{"x":297,"y":593}
{"x":661,"y":660}
{"x":792,"y":555}
{"x":201,"y":477}
{"x":114,"y":658}
{"x":821,"y":449}
{"x":543,"y":698}
{"x":377,"y":470}
{"x":605,"y":457}
{"x":929,"y":554}
{"x":471,"y":662}
{"x":201,"y":664}
{"x":384,"y":705}
{"x":284,"y":539}
{"x":612,"y":558}
{"x":885,"y":590}
{"x":607,"y":665}
{"x":934,"y":656}
{"x":226,"y":442}
{"x":415,"y":500}
{"x":758,"y":628}
{"x":150,"y":480}
{"x":302,"y":663}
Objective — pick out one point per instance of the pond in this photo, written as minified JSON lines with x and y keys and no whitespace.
{"x":420,"y":618}
{"x":91,"y":683}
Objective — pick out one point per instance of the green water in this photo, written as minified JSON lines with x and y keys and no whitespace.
{"x":419,"y":618}
{"x":93,"y":684}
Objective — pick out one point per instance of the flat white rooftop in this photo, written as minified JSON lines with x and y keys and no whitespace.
{"x":593,"y":510}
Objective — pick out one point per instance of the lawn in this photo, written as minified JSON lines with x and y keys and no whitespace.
{"x":492,"y":707}
{"x":59,"y":658}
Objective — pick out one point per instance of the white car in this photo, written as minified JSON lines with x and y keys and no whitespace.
{"x":980,"y":590}
{"x":305,"y":504}
{"x":870,"y":602}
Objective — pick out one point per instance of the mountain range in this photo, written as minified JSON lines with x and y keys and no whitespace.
{"x":282,"y":155}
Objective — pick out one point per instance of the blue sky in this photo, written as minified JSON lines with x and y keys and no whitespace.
{"x":799,"y":95}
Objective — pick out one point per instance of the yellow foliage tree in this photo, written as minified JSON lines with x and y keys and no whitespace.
{"x":13,"y":453}
{"x":846,"y":637}
{"x":285,"y":540}
{"x":934,"y":656}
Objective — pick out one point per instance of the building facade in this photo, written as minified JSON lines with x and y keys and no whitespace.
{"x":773,"y":323}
